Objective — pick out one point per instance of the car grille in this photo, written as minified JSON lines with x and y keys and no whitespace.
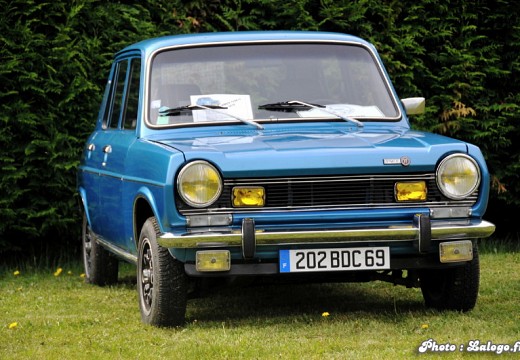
{"x":332,"y":192}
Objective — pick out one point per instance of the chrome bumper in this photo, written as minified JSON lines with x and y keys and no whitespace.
{"x":422,"y":230}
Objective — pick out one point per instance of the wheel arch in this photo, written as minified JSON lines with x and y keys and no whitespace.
{"x":83,"y":204}
{"x":144,"y":208}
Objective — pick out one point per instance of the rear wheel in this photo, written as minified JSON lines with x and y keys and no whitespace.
{"x":101,"y":268}
{"x":453,"y":288}
{"x":161,"y":281}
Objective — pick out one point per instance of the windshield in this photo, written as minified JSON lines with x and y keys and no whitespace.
{"x":248,"y":82}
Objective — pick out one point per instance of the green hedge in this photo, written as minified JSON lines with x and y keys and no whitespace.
{"x":55,"y":56}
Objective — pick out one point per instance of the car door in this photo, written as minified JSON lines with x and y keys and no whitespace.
{"x":113,"y":143}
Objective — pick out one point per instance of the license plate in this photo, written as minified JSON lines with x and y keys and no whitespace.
{"x":366,"y":258}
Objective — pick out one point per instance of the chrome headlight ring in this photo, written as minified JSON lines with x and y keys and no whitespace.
{"x":458,"y":176}
{"x":199,"y":184}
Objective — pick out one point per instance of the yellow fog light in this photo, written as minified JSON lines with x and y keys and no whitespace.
{"x":411,"y":191}
{"x":213,"y":260}
{"x":248,"y":196}
{"x":455,"y":251}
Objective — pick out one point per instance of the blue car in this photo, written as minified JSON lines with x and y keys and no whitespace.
{"x":273,"y":154}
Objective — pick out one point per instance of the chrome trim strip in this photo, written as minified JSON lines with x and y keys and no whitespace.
{"x":118,"y":176}
{"x":117,"y":251}
{"x":371,"y":206}
{"x":328,"y":178}
{"x":441,"y":230}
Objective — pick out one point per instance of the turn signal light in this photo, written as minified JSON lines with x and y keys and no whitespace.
{"x":455,"y":251}
{"x":213,"y":260}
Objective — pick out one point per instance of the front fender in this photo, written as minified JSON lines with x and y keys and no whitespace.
{"x":480,"y":207}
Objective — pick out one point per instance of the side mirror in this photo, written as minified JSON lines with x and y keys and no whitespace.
{"x":414,"y":106}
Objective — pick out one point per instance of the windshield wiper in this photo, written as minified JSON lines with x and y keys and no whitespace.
{"x":290,"y":106}
{"x":188,"y":109}
{"x":296,"y":105}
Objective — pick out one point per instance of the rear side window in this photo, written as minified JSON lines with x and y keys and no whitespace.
{"x":132,"y":102}
{"x":123,"y":95}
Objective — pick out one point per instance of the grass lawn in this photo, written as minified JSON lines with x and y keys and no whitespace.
{"x":51,"y":315}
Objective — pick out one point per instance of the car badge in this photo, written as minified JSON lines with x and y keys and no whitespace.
{"x":403,"y":160}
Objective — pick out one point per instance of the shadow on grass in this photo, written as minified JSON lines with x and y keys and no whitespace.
{"x":248,"y":300}
{"x":269,"y":301}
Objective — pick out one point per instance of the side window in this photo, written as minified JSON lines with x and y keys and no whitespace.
{"x":117,"y":99}
{"x":132,"y":103}
{"x":109,"y":92}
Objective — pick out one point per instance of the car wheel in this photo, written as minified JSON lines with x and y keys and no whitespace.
{"x":101,"y":268}
{"x":453,"y":288}
{"x":161,"y":281}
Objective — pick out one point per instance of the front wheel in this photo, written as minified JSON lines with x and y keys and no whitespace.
{"x":453,"y":288}
{"x":161,"y":281}
{"x":101,"y":268}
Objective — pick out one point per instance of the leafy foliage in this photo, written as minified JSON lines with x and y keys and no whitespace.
{"x":55,"y":58}
{"x":461,"y":55}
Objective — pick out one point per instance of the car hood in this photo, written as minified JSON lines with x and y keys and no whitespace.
{"x":324,"y":151}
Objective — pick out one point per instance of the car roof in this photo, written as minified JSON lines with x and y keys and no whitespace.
{"x":151,"y":45}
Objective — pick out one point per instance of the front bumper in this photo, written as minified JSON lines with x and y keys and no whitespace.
{"x":422,"y":231}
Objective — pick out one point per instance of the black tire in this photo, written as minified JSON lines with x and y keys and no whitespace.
{"x":453,"y":288}
{"x":101,"y":268}
{"x":161,"y":281}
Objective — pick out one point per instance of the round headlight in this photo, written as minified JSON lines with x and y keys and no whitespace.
{"x":458,"y":176}
{"x":199,"y":184}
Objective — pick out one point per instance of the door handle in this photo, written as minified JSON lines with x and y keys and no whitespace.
{"x":107,"y":149}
